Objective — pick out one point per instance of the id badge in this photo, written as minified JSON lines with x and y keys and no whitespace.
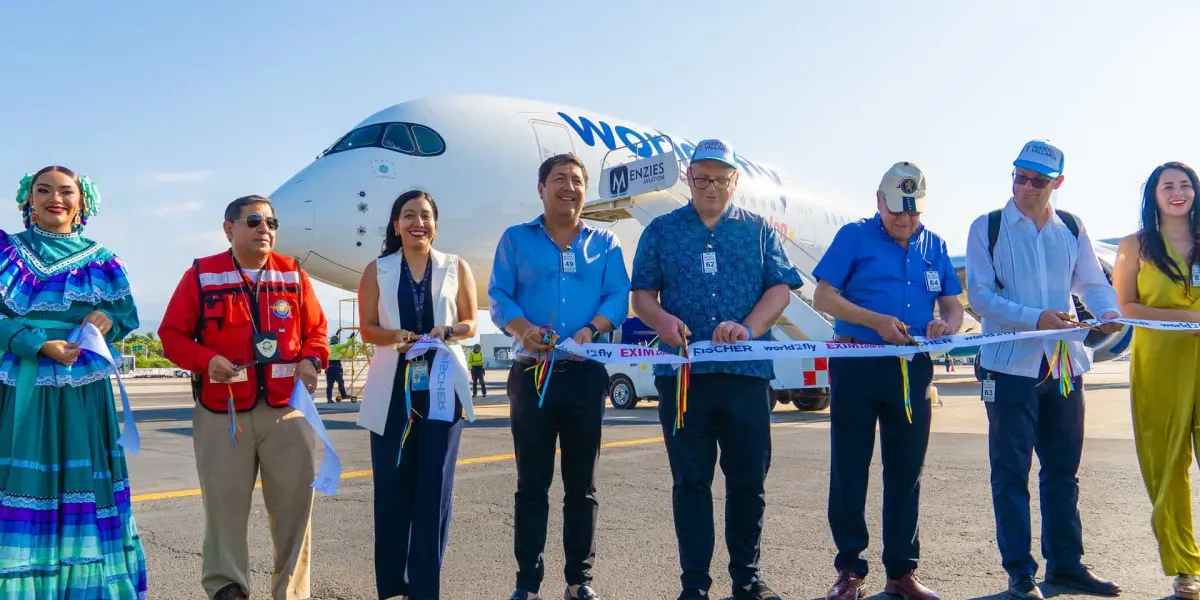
{"x":932,"y":282}
{"x":1196,"y":275}
{"x":240,"y":375}
{"x":420,"y":376}
{"x":568,"y":258}
{"x":266,"y":347}
{"x":708,"y":261}
{"x":989,"y":390}
{"x":279,"y":370}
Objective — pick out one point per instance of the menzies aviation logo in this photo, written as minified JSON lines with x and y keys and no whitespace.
{"x":618,"y":180}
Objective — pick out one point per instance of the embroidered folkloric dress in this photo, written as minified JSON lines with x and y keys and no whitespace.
{"x":66,"y":525}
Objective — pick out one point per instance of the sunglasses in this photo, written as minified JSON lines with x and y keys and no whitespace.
{"x":1037,"y":182}
{"x":253,"y":221}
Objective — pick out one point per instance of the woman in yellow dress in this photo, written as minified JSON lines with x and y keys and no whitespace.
{"x":1157,"y":276}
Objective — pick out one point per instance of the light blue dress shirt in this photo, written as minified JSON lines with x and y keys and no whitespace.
{"x":532,"y":278}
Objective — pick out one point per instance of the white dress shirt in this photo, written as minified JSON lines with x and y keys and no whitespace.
{"x":1039,"y":270}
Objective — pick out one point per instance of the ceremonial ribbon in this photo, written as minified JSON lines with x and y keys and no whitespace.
{"x":544,"y":365}
{"x":1060,"y":366}
{"x":904,"y":380}
{"x":682,"y":381}
{"x":87,"y":337}
{"x":408,"y":411}
{"x":330,"y":476}
{"x":234,"y":427}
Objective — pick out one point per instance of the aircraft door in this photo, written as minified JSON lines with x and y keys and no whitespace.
{"x":552,"y":139}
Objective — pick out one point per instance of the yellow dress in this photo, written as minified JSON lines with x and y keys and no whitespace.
{"x":1166,"y":412}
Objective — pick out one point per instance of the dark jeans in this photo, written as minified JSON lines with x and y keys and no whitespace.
{"x":732,"y":412}
{"x":413,"y":500}
{"x":1025,"y":417}
{"x":571,"y":414}
{"x":864,"y":391}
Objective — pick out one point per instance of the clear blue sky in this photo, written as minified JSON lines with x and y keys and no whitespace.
{"x":176,"y":108}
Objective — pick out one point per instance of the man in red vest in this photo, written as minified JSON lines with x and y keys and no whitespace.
{"x":247,"y":324}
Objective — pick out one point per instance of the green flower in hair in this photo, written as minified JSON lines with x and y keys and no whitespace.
{"x":91,"y":205}
{"x":24,"y":189}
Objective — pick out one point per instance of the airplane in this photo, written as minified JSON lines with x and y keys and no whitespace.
{"x":478,"y":156}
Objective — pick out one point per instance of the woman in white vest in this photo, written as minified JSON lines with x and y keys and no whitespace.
{"x":411,"y":291}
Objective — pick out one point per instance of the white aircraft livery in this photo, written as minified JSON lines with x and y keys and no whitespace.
{"x":478,"y":158}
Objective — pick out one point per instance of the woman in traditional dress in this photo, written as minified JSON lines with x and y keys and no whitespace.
{"x":65,"y":515}
{"x":409,"y":291}
{"x":1157,"y":276}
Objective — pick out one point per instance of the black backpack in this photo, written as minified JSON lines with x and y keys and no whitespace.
{"x":994,"y":232}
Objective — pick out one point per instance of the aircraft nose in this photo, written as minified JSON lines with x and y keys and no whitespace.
{"x":294,"y":207}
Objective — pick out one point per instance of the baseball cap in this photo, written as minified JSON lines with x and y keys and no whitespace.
{"x":714,"y":150}
{"x":1042,"y":157}
{"x":903,"y":188}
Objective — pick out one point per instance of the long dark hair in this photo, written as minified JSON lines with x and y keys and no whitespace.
{"x":1150,"y":239}
{"x":391,"y":240}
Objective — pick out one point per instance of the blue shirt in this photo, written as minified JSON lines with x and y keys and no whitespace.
{"x":875,"y":272}
{"x":749,"y":260}
{"x":531,"y":279}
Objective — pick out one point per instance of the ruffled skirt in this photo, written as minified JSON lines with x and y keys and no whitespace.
{"x":67,"y":530}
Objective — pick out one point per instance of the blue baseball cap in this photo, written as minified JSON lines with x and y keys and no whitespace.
{"x":714,"y":150}
{"x":1042,"y":157}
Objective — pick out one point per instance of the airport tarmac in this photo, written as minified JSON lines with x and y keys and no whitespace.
{"x":636,"y":551}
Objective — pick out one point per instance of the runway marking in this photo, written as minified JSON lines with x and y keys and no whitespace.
{"x":366,"y":473}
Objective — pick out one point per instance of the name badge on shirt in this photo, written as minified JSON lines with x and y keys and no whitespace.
{"x":932,"y":282}
{"x":420,"y":375}
{"x":568,"y":258}
{"x":1195,"y":274}
{"x":708,"y":261}
{"x":989,"y":390}
{"x":283,"y":370}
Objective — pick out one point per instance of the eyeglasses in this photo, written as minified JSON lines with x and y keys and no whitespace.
{"x":703,"y":182}
{"x":1037,"y":182}
{"x":253,"y":221}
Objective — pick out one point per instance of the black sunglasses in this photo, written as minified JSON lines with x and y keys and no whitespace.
{"x":1037,"y":182}
{"x":253,"y":221}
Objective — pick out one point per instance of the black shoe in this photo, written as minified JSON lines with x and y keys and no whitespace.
{"x":232,"y":591}
{"x":520,"y":594}
{"x":1024,"y":587}
{"x":1081,"y":578}
{"x":758,"y":591}
{"x":585,"y":592}
{"x":692,"y":595}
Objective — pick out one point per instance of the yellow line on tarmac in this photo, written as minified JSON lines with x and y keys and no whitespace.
{"x":357,"y":474}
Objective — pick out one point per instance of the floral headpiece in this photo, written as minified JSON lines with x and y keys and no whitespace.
{"x":91,"y":197}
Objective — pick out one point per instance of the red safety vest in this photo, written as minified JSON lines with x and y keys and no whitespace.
{"x":209,"y":314}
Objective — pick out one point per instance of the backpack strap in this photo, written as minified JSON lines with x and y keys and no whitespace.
{"x":1069,"y":220}
{"x":993,"y":235}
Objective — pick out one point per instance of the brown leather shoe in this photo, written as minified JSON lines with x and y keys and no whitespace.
{"x":848,"y":587}
{"x":910,"y":588}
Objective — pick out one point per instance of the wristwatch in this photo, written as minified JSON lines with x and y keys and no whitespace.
{"x":595,"y":332}
{"x":316,"y":362}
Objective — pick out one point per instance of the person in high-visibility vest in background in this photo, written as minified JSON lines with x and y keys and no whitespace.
{"x":475,"y":361}
{"x":337,"y":351}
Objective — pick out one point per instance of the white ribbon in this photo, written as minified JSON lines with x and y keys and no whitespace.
{"x":442,"y":373}
{"x":759,"y":350}
{"x":330,"y":475}
{"x":87,"y":337}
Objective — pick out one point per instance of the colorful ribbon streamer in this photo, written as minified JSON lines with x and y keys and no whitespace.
{"x":408,"y":411}
{"x":544,"y":367}
{"x":682,"y":381}
{"x":234,"y":427}
{"x":907,"y":393}
{"x":1060,"y":362}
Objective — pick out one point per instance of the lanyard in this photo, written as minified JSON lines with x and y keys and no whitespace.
{"x":418,"y":289}
{"x":247,"y":292}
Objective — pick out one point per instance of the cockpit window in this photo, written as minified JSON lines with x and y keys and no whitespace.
{"x":398,"y":138}
{"x":405,"y":138}
{"x":428,"y":141}
{"x":367,"y":136}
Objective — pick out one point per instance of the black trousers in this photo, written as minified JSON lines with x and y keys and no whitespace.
{"x":1025,"y":417}
{"x":572,"y":414}
{"x":863,"y":392}
{"x":413,"y":500}
{"x":732,"y":412}
{"x":477,"y":383}
{"x":334,"y":374}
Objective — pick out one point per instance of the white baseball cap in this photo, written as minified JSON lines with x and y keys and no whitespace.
{"x":1042,"y":157}
{"x":903,"y":188}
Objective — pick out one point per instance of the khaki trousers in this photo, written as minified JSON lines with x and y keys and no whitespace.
{"x":281,"y":441}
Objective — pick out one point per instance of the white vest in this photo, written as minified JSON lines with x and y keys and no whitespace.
{"x":377,"y":394}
